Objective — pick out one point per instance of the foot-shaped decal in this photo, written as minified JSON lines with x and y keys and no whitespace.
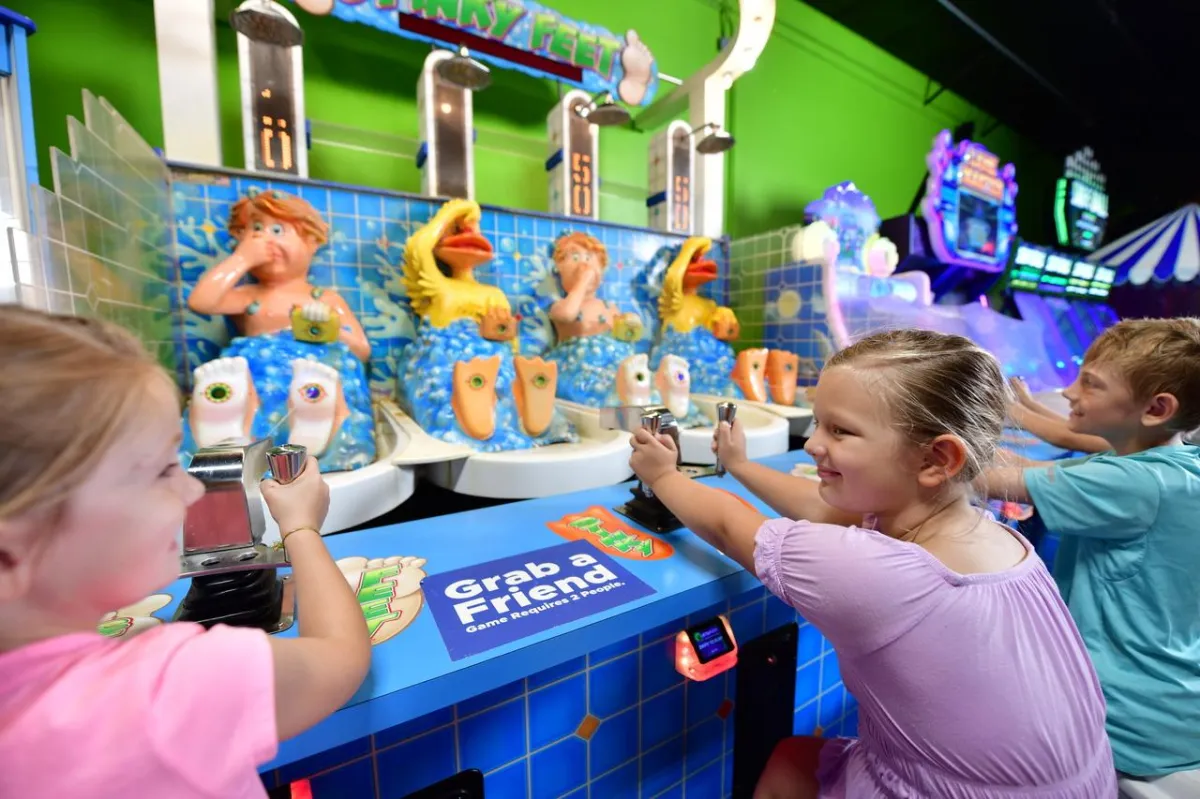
{"x":498,"y":324}
{"x":674,"y":383}
{"x":534,"y":393}
{"x":633,"y":380}
{"x":389,"y":591}
{"x":637,"y":61}
{"x":749,"y":371}
{"x":782,"y":370}
{"x":474,"y":396}
{"x":223,"y":402}
{"x":134,"y":619}
{"x":313,"y":405}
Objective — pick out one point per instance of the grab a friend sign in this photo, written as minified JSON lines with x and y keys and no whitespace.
{"x":481,"y":607}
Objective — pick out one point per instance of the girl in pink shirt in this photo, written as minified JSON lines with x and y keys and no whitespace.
{"x":971,"y":678}
{"x":92,"y":498}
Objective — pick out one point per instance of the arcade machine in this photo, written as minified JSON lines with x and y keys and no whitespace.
{"x":968,"y":223}
{"x":1059,"y":290}
{"x":415,"y":246}
{"x":964,"y":241}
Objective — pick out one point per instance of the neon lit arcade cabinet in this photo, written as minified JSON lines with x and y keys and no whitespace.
{"x":18,"y":153}
{"x":968,"y":223}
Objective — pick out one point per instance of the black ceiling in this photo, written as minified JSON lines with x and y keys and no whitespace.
{"x":1120,"y":75}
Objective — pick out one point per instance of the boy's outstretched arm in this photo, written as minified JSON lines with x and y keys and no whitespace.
{"x":719,"y":518}
{"x":1054,"y":430}
{"x":1006,"y":483}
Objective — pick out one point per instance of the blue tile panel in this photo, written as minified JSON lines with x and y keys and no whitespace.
{"x":658,"y":735}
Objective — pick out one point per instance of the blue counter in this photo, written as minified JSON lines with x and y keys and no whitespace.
{"x":592,"y":702}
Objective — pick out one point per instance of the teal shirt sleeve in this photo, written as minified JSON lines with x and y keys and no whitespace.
{"x":1106,"y":496}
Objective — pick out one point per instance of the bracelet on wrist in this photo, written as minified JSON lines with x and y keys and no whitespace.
{"x":284,"y":536}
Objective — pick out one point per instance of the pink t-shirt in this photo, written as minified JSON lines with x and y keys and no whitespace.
{"x":171,"y":713}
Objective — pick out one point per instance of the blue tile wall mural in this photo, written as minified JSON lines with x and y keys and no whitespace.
{"x":620,"y":723}
{"x":363,"y":262}
{"x":794,"y":314}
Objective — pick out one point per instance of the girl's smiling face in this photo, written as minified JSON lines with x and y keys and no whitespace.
{"x":115,"y":541}
{"x":864,"y":464}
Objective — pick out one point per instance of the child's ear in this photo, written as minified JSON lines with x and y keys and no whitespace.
{"x":1160,"y":409}
{"x":945,"y":457}
{"x":14,"y":571}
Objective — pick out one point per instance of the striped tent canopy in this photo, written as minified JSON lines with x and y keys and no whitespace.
{"x":1164,"y":250}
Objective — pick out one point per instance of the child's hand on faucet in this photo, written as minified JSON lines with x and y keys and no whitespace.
{"x":653,"y":458}
{"x":301,"y":503}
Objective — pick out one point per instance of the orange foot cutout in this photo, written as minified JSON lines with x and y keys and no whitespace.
{"x":534,"y":393}
{"x":498,"y":324}
{"x":782,"y":368}
{"x":474,"y":396}
{"x":748,"y":373}
{"x":724,"y":325}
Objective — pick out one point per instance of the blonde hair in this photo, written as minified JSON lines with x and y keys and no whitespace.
{"x":68,"y":387}
{"x":936,"y":384}
{"x":581,"y":241}
{"x":1156,"y":356}
{"x":278,"y":205}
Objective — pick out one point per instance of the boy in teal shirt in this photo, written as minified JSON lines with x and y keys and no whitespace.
{"x":1129,"y":562}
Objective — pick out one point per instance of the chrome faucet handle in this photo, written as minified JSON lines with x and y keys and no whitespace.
{"x":286,"y":462}
{"x":655,"y":418}
{"x":726,"y":411}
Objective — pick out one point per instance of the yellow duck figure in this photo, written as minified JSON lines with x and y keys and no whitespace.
{"x":680,"y":307}
{"x":439,"y":264}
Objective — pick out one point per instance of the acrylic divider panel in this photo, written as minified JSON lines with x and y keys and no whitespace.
{"x":780,"y":302}
{"x":619,"y":722}
{"x":364,"y":261}
{"x":100,"y":244}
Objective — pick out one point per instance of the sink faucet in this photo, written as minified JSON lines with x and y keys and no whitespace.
{"x":645,"y":508}
{"x":223,"y":530}
{"x":234,"y":574}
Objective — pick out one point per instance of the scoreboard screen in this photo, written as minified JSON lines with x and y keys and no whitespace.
{"x":1081,"y":203}
{"x":1044,"y":271}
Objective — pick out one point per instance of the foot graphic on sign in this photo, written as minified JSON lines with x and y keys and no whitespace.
{"x":636,"y":60}
{"x":388,"y":590}
{"x":134,"y":619}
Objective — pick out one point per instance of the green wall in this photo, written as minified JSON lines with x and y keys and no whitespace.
{"x":823,"y":105}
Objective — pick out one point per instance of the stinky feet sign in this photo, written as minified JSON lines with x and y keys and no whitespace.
{"x":595,"y":59}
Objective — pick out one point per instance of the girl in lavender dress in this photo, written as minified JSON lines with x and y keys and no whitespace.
{"x":971,"y":678}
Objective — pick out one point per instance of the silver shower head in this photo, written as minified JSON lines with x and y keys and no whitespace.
{"x":716,"y":142}
{"x":262,"y":23}
{"x":603,"y":113}
{"x":464,"y":72}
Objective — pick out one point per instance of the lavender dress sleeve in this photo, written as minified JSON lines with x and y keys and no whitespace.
{"x":859,"y":589}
